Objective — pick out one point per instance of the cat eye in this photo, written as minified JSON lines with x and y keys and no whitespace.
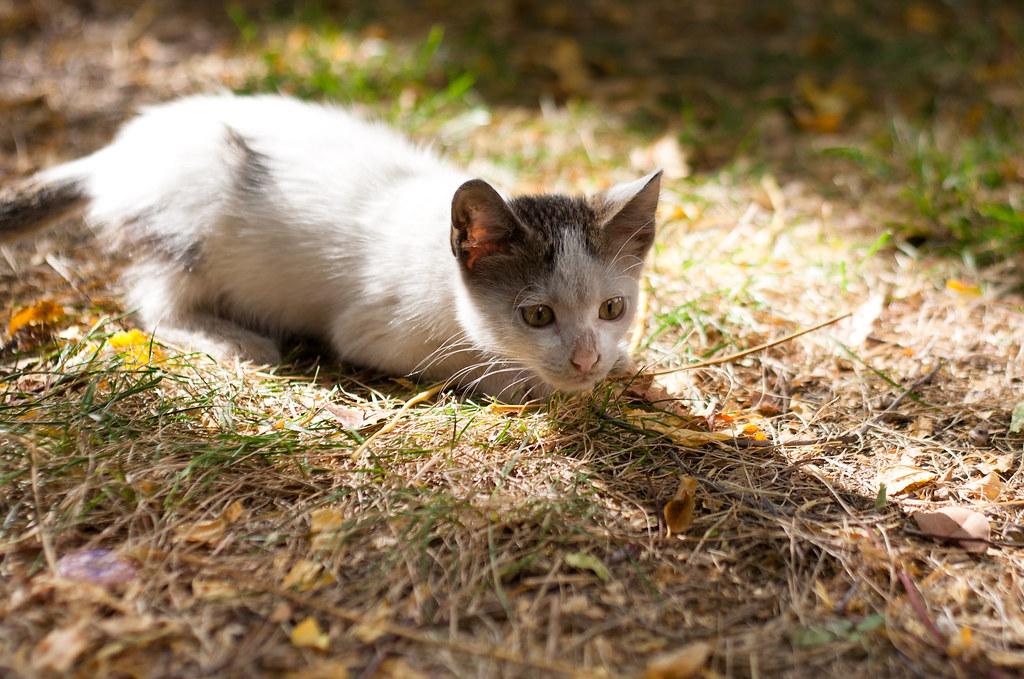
{"x":612,"y":308}
{"x":538,"y":315}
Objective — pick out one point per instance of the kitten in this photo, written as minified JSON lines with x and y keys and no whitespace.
{"x":247,"y":218}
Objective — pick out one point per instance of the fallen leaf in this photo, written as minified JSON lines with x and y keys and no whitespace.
{"x":1000,"y":463}
{"x":685,"y":437}
{"x":989,"y":486}
{"x":903,"y":478}
{"x":962,"y":288}
{"x":42,"y":313}
{"x":135,"y":347}
{"x":307,"y":634}
{"x":1017,"y":419}
{"x":681,"y":664}
{"x":967,"y":527}
{"x":98,"y":566}
{"x":306,"y":576}
{"x":589,"y":562}
{"x":679,"y":510}
{"x":212,"y":531}
{"x":348,"y":417}
{"x":58,"y":650}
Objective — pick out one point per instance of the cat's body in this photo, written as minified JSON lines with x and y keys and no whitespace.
{"x":249,"y":218}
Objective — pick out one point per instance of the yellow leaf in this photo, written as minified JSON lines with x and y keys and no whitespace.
{"x":681,"y":664}
{"x":42,"y":313}
{"x":903,"y":478}
{"x":962,"y":644}
{"x":306,"y":576}
{"x":962,"y":288}
{"x":307,"y":634}
{"x":679,"y":510}
{"x":135,"y":347}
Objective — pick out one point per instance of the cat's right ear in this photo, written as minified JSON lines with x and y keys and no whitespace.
{"x":482,"y":223}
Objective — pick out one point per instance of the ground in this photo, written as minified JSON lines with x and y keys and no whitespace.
{"x":318,"y":520}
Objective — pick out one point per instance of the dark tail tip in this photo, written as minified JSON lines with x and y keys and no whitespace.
{"x":34,"y":203}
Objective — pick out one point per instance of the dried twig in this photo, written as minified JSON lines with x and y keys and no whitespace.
{"x":761,"y":347}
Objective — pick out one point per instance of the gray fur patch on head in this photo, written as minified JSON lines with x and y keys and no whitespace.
{"x":554,"y":218}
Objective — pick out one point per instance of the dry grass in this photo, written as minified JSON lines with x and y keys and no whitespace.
{"x":461,"y":538}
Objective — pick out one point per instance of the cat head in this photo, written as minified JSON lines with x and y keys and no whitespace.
{"x":551,"y":281}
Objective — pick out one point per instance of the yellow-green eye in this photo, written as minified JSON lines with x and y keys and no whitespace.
{"x":538,"y":316}
{"x":612,"y":308}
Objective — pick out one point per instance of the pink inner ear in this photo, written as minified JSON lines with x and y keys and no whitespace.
{"x":477,"y":244}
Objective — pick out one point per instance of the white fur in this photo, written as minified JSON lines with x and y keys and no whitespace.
{"x":347,"y":237}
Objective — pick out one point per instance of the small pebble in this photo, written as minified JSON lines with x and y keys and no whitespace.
{"x":98,"y":566}
{"x":979,"y":436}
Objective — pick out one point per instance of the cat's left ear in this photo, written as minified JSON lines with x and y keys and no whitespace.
{"x":627,"y":216}
{"x":482,"y":223}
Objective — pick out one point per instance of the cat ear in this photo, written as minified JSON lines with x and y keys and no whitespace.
{"x":628,"y":216}
{"x":482,"y":223}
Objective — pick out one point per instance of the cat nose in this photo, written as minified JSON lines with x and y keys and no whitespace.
{"x":584,"y":360}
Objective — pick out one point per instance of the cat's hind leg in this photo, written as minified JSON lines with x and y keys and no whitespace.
{"x":173,"y":307}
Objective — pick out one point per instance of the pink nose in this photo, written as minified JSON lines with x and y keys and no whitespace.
{"x":583,"y":361}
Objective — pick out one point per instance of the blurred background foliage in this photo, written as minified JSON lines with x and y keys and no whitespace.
{"x":916,"y":105}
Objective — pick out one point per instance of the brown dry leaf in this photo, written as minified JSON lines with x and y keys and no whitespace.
{"x":58,"y":650}
{"x":660,"y":392}
{"x":42,"y":313}
{"x":355,"y":418}
{"x":681,"y":664}
{"x":212,"y":531}
{"x":1000,"y":463}
{"x":679,"y":510}
{"x":903,"y":478}
{"x":989,"y":486}
{"x":306,"y":576}
{"x":307,"y":634}
{"x":955,"y":523}
{"x":689,"y":438}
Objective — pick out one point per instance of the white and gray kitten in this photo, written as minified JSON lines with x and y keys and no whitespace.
{"x":248,"y":218}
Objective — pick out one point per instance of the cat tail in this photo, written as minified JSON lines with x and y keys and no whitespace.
{"x":36,"y":202}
